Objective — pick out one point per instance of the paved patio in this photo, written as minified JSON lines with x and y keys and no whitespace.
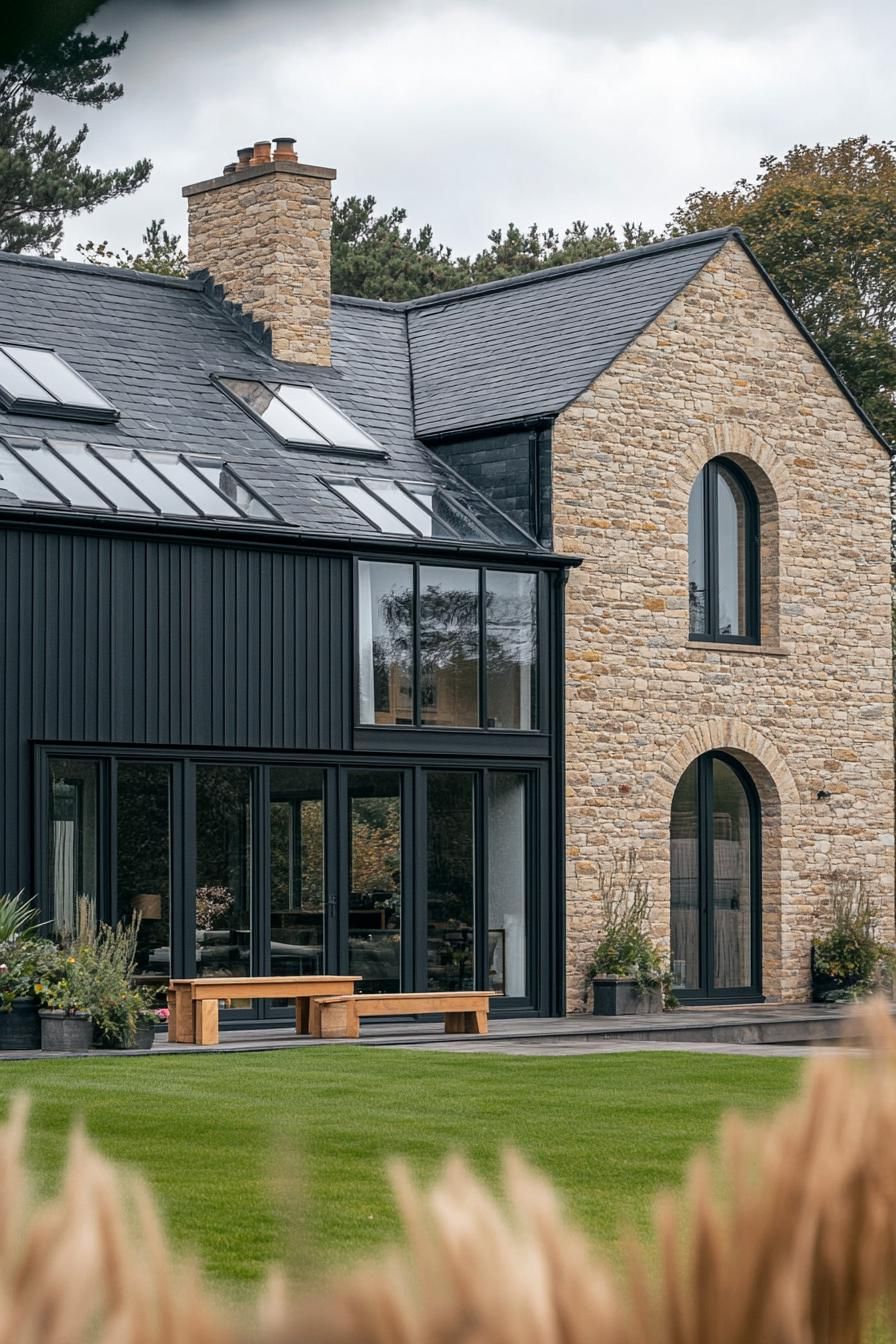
{"x":758,"y":1029}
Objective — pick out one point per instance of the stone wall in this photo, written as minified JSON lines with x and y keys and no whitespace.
{"x":264,"y":234}
{"x":723,"y":370}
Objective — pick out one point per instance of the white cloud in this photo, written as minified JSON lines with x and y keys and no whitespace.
{"x":471,"y":114}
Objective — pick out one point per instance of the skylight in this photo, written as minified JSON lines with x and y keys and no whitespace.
{"x":301,"y":416}
{"x":126,"y":480}
{"x":37,"y":381}
{"x":411,"y":509}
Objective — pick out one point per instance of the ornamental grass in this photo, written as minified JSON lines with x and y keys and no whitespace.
{"x":785,"y":1235}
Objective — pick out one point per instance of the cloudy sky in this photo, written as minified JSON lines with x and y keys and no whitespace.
{"x":476,"y":112}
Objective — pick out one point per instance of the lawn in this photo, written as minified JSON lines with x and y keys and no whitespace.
{"x":256,"y":1157}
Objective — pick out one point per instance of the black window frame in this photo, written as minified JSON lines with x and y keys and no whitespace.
{"x":539,"y":711}
{"x":751,"y":562}
{"x":56,"y":409}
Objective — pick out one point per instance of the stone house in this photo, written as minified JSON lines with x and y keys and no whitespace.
{"x":343,"y":635}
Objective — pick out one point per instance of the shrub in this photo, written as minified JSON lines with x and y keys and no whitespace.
{"x":849,"y":960}
{"x":96,"y":975}
{"x":626,"y":947}
{"x":26,"y":966}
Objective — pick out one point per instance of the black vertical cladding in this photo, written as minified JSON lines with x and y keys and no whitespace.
{"x":163,"y":643}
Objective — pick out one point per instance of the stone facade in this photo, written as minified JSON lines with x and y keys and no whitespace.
{"x":724,"y":370}
{"x":263,"y":233}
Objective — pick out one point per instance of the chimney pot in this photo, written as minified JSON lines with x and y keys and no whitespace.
{"x":283,"y":149}
{"x":244,"y":157}
{"x":230,"y":167}
{"x":262,"y":153}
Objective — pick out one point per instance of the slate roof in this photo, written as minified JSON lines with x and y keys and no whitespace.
{"x":150,"y":344}
{"x":470,"y":360}
{"x":525,"y":348}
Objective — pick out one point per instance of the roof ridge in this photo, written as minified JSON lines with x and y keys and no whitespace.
{"x":108,"y":272}
{"x":547,"y":273}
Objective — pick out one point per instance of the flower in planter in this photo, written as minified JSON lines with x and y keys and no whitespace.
{"x":162,"y":1014}
{"x":626,"y":947}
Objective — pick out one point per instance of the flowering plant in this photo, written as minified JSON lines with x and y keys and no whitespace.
{"x":26,"y":966}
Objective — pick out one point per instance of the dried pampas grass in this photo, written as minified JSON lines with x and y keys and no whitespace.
{"x":787,"y":1236}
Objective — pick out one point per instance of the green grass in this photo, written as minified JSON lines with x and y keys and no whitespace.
{"x":222,"y":1138}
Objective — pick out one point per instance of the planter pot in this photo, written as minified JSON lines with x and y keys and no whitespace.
{"x":20,"y":1027}
{"x":830,"y":988}
{"x":619,"y":995}
{"x":68,"y":1033}
{"x":145,"y":1037}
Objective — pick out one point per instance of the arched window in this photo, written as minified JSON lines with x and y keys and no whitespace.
{"x":716,"y":881}
{"x":723,"y":556}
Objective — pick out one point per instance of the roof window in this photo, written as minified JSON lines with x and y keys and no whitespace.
{"x":127,"y":480}
{"x":300,"y":416}
{"x":407,"y":508}
{"x":36,"y":381}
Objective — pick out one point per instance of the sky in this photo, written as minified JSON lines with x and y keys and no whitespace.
{"x":472,"y":113}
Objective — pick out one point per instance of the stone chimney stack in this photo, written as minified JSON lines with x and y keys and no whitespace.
{"x":262,"y":231}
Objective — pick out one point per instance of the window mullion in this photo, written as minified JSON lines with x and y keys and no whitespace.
{"x":416,"y":668}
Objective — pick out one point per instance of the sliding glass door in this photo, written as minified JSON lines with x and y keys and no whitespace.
{"x":413,"y":878}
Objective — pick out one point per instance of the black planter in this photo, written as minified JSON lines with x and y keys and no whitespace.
{"x":20,"y":1027}
{"x":145,"y":1037}
{"x":620,"y":995}
{"x":65,"y":1033}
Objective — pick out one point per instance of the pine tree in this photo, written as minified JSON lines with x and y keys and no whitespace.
{"x":42,"y":179}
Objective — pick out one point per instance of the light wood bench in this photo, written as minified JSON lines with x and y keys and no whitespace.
{"x":465,"y":1011}
{"x":193,"y":1004}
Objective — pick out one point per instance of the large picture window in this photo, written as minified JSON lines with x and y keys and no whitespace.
{"x":723,"y":556}
{"x":447,"y":646}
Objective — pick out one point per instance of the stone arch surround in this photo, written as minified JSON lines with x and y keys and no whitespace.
{"x":776,"y":496}
{"x":780,"y":809}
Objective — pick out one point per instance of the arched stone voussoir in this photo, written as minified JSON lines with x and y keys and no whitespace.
{"x":732,"y":439}
{"x":725,"y":734}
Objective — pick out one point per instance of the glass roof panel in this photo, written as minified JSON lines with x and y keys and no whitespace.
{"x":221,"y":476}
{"x":449,"y":520}
{"x":149,"y":482}
{"x":370,"y":508}
{"x":273,"y":412}
{"x":66,"y":386}
{"x":192,"y":484}
{"x":488,"y":518}
{"x":19,"y":481}
{"x":59,"y":474}
{"x":17,"y":384}
{"x":93,"y":466}
{"x":320,"y":413}
{"x":403,"y":503}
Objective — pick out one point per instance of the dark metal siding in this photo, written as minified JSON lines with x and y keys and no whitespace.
{"x":164,"y":643}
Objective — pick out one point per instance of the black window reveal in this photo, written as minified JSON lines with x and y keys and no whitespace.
{"x":446,"y":646}
{"x":723,"y":556}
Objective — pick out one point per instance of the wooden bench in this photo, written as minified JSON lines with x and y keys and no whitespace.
{"x":335,"y":1015}
{"x":193,"y":1004}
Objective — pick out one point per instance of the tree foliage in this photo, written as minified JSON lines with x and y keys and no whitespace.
{"x":377,"y":256}
{"x":822,"y":220}
{"x":162,"y":252}
{"x":42,"y":178}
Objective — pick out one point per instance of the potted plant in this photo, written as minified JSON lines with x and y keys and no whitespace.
{"x":629,"y":972}
{"x":148,"y":1022}
{"x":25,"y":963}
{"x":849,"y":961}
{"x":66,"y":1025}
{"x":22,"y":957}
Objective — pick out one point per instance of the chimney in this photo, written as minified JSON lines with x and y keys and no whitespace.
{"x":262,"y":231}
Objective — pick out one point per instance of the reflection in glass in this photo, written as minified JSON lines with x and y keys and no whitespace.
{"x":386,"y":642}
{"x":506,"y":820}
{"x":510,"y":639}
{"x":74,"y":788}
{"x":143,"y":848}
{"x":297,"y":871}
{"x":686,"y":969}
{"x":732,"y":514}
{"x":223,"y":870}
{"x":450,"y":880}
{"x":697,"y":557}
{"x":374,"y":914}
{"x":732,"y":887}
{"x":449,"y":647}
